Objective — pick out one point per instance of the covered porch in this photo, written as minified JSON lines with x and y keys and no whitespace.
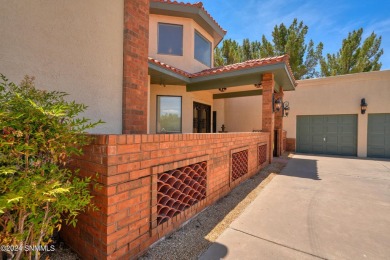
{"x":242,"y":97}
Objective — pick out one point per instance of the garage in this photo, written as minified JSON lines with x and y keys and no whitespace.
{"x":327,"y":134}
{"x":378,"y":143}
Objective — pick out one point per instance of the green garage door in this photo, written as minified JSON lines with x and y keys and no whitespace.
{"x":335,"y":134}
{"x":378,"y":135}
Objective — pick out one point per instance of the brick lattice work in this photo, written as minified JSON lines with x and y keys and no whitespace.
{"x":129,"y":167}
{"x":180,"y":189}
{"x":239,"y":164}
{"x":262,"y":154}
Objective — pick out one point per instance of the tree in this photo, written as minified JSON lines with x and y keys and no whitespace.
{"x":354,"y":56}
{"x":304,"y":58}
{"x":39,"y":133}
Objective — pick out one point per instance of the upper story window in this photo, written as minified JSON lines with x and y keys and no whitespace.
{"x":170,"y":39}
{"x":202,"y":49}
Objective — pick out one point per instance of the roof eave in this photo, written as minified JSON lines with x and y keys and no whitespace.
{"x":177,"y":77}
{"x":243,"y":76}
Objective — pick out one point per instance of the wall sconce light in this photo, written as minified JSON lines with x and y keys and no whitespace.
{"x":277,"y":104}
{"x":286,"y":109}
{"x":258,"y":85}
{"x":363,"y":106}
{"x":222,"y":89}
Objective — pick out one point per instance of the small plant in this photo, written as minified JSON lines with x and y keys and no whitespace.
{"x":39,"y":132}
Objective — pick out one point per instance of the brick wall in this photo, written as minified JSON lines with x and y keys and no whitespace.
{"x":291,"y":144}
{"x":129,"y":166}
{"x":135,"y":66}
{"x":268,"y":116}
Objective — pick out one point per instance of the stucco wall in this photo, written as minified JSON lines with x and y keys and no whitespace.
{"x":187,"y":62}
{"x":219,"y":107}
{"x":188,"y":98}
{"x":340,"y":95}
{"x":68,"y":45}
{"x":243,"y":114}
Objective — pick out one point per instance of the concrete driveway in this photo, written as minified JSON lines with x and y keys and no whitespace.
{"x":317,"y":208}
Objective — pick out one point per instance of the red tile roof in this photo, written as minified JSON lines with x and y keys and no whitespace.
{"x":228,"y":68}
{"x":242,"y":65}
{"x":198,"y":4}
{"x":171,"y":68}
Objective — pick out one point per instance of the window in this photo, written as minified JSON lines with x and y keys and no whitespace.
{"x":170,"y":39}
{"x":168,"y":114}
{"x":202,"y":49}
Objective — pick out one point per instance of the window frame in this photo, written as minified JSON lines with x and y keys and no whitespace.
{"x":158,"y":114}
{"x":158,"y":39}
{"x":196,"y":32}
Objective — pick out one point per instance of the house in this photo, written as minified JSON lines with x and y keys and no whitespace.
{"x":146,"y":69}
{"x":326,"y":115}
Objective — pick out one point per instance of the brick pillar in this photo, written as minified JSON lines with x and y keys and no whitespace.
{"x":279,"y":123}
{"x":135,"y":67}
{"x":268,"y":123}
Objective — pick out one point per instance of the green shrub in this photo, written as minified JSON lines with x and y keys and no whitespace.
{"x":39,"y":132}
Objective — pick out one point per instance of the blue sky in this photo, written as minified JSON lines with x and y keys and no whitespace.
{"x":329,"y":21}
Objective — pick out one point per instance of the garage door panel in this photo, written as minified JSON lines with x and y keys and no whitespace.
{"x":377,"y":140}
{"x":376,"y":152}
{"x":305,"y":149}
{"x":319,"y":149}
{"x":378,"y":144}
{"x":346,"y":129}
{"x":347,"y":140}
{"x":347,"y":150}
{"x":317,"y":119}
{"x":332,"y":129}
{"x":377,"y":127}
{"x":330,"y":134}
{"x":333,"y":139}
{"x":348,"y":120}
{"x":331,"y":149}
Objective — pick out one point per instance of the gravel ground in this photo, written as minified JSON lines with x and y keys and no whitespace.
{"x":198,"y":234}
{"x":62,"y":252}
{"x":202,"y":230}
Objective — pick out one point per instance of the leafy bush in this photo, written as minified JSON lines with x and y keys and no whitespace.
{"x":39,"y":132}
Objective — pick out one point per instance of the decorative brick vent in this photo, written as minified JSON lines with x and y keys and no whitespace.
{"x":179,"y":189}
{"x":262,"y":153}
{"x":239,"y":164}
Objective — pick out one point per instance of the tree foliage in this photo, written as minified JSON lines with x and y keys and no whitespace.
{"x":354,"y":56}
{"x":39,"y":132}
{"x":306,"y":58}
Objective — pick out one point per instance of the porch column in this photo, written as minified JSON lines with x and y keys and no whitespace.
{"x":268,"y":122}
{"x":135,"y":67}
{"x":279,"y":123}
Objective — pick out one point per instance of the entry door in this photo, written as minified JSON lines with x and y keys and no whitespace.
{"x":202,"y":118}
{"x":378,"y":144}
{"x":327,"y":134}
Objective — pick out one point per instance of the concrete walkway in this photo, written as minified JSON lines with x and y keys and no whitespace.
{"x":317,"y":208}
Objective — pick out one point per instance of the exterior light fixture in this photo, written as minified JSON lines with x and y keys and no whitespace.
{"x":277,"y":105}
{"x":363,"y":106}
{"x":222,"y":89}
{"x":258,"y":85}
{"x":286,"y":109}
